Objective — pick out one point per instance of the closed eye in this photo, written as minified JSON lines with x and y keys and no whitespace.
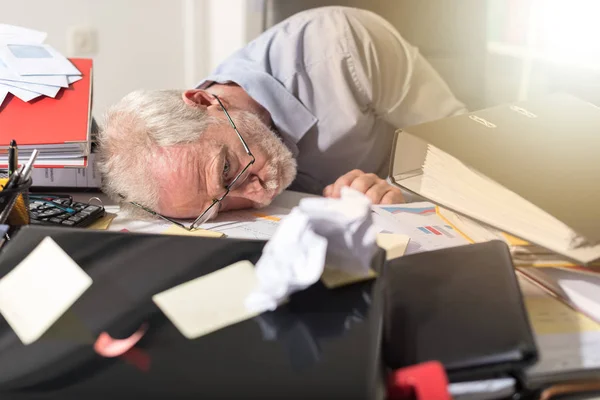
{"x":226,"y":172}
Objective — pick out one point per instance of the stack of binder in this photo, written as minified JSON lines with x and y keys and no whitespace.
{"x":529,"y":169}
{"x":527,"y":174}
{"x":58,"y":127}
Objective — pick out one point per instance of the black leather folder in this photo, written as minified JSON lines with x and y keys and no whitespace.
{"x":321,"y":344}
{"x":461,"y":306}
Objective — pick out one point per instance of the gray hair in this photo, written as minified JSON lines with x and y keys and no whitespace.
{"x":134,"y":133}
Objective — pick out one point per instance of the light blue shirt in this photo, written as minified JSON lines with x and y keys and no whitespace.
{"x":338,"y":82}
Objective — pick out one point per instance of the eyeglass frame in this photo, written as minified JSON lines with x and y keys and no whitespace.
{"x":215,"y":201}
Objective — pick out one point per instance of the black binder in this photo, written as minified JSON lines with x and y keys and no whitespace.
{"x":321,"y":344}
{"x":461,"y":306}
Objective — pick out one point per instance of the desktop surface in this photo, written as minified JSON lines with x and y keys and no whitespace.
{"x":321,"y":344}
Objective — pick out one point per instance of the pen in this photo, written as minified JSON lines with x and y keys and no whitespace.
{"x":13,"y":157}
{"x":29,"y":165}
{"x":21,"y":175}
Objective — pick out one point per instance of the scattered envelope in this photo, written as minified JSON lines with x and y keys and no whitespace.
{"x":29,"y":68}
{"x":176,"y":230}
{"x":22,"y":94}
{"x":38,"y":291}
{"x":50,"y":91}
{"x":3,"y":94}
{"x":50,"y":80}
{"x":73,"y":78}
{"x":36,"y":59}
{"x":394,"y":244}
{"x":17,"y":34}
{"x":211,"y":302}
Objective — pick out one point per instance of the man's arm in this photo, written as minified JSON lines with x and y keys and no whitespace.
{"x":402,"y":87}
{"x":398,"y":85}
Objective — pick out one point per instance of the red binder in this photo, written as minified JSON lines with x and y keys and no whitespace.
{"x":51,"y":124}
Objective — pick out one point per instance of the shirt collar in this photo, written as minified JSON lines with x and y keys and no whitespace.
{"x":289,"y":115}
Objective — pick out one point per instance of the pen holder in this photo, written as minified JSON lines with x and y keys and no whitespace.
{"x":14,"y":203}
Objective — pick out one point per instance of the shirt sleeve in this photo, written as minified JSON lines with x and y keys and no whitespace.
{"x":402,"y":87}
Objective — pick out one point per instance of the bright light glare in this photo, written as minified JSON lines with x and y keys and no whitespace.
{"x":569,"y":31}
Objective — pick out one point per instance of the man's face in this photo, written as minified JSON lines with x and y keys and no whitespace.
{"x":204,"y":169}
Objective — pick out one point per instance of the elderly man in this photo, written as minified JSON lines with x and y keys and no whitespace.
{"x":313,"y":102}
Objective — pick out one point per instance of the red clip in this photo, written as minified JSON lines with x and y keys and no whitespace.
{"x":427,"y":381}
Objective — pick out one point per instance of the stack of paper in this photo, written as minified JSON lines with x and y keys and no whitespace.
{"x":524,"y":254}
{"x":45,"y":100}
{"x":30,"y":69}
{"x":568,"y":341}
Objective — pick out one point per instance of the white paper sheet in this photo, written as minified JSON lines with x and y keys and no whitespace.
{"x":211,"y":302}
{"x":17,"y":34}
{"x":488,"y":389}
{"x":50,"y":91}
{"x":426,"y":229}
{"x":292,"y":260}
{"x":249,"y":224}
{"x":36,"y":59}
{"x":38,"y":291}
{"x":22,"y":94}
{"x":347,"y":224}
{"x":337,"y":231}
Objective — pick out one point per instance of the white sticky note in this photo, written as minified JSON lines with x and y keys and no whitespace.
{"x":211,"y":302}
{"x":394,"y":244}
{"x":38,"y":291}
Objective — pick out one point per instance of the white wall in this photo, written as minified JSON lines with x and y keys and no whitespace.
{"x":151,"y":44}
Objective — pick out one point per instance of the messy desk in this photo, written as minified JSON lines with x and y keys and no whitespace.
{"x":564,"y":335}
{"x":323,"y":292}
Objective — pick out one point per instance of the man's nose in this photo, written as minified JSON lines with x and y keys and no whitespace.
{"x":251,"y":188}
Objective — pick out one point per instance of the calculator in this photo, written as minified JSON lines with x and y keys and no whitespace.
{"x":63,"y":211}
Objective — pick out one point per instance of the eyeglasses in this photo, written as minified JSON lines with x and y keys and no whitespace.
{"x":213,"y":208}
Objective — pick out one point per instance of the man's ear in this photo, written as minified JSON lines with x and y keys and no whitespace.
{"x":198,"y":98}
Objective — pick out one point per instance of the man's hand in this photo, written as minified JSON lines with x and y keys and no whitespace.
{"x":377,"y":189}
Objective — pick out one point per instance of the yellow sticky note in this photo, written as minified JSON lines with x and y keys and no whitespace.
{"x":393,"y":244}
{"x":211,"y":302}
{"x":515,"y":241}
{"x":103,"y":223}
{"x":176,"y":230}
{"x":334,"y":278}
{"x":38,"y":291}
